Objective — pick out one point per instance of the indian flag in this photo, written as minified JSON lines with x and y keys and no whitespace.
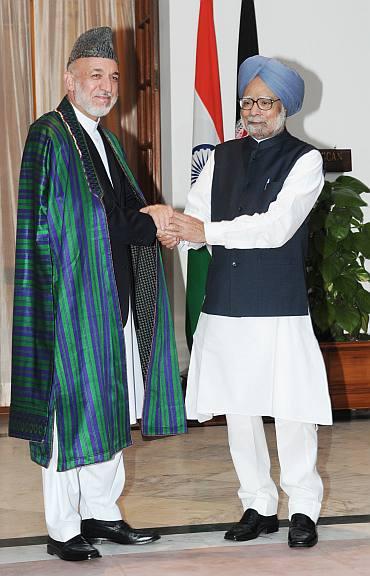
{"x":207,"y":133}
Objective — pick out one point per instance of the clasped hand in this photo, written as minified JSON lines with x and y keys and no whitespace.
{"x":173,"y":226}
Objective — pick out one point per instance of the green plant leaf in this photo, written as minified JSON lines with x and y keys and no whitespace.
{"x":337,"y":216}
{"x":325,"y":194}
{"x":330,"y":307}
{"x":355,"y":224}
{"x":338,"y":223}
{"x":361,"y":243}
{"x":356,"y":212}
{"x":349,"y":258}
{"x":331,"y":267}
{"x":364,"y":322}
{"x":339,"y":231}
{"x":348,"y":318}
{"x":363,"y":300}
{"x":320,"y":316}
{"x":347,"y":243}
{"x":352,"y":269}
{"x":337,"y":333}
{"x":353,"y":183}
{"x":325,"y":245}
{"x":347,"y":287}
{"x":344,"y":197}
{"x":362,"y":275}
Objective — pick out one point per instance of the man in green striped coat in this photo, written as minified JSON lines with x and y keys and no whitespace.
{"x":93,"y":340}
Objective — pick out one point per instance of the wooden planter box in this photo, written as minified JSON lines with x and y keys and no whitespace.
{"x":348,"y":368}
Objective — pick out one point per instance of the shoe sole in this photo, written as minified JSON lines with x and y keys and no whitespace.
{"x":51,"y":550}
{"x":303,"y":544}
{"x":266,"y":530}
{"x":102,"y":540}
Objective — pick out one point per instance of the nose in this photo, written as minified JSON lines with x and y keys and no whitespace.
{"x":106,"y":84}
{"x":254,"y":105}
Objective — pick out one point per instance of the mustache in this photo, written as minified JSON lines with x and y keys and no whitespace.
{"x":257,"y":118}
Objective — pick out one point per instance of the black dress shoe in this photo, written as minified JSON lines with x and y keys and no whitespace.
{"x":75,"y":549}
{"x":117,"y":531}
{"x":251,"y":525}
{"x":302,"y":532}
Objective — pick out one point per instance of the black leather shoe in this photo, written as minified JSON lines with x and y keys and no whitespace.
{"x":117,"y":531}
{"x":75,"y":549}
{"x":251,"y":525}
{"x":302,"y":532}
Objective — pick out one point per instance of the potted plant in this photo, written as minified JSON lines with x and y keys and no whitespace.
{"x":339,"y":302}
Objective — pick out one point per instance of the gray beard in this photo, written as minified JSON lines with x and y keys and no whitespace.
{"x":263,"y":131}
{"x":85,"y":104}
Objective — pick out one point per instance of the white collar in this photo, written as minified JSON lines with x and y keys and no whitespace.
{"x":89,"y":124}
{"x":262,"y":139}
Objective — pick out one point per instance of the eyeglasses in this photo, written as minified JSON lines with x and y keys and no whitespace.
{"x":262,"y":103}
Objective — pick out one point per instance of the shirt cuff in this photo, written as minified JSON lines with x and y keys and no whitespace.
{"x":184,"y":245}
{"x":215,"y":233}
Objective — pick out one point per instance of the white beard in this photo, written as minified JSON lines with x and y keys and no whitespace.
{"x":84,"y":102}
{"x":265,"y":129}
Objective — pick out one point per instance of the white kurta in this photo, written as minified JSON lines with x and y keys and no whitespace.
{"x":267,"y":366}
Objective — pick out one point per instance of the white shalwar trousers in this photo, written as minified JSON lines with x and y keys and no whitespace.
{"x":297,"y":451}
{"x":91,"y":491}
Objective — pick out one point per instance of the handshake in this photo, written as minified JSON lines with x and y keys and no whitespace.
{"x":173,"y":226}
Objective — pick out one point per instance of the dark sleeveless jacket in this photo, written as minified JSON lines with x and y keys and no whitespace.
{"x":248,"y":176}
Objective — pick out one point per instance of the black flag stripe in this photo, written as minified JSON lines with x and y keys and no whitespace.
{"x":248,"y":41}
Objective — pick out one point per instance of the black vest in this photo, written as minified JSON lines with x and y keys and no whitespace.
{"x":248,"y":176}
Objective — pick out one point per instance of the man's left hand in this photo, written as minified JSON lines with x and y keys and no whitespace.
{"x":187,"y":228}
{"x":167,"y":241}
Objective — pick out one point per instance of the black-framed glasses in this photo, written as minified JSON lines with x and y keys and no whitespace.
{"x":262,"y":103}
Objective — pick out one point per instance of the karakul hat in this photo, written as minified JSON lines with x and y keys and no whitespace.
{"x":96,"y":43}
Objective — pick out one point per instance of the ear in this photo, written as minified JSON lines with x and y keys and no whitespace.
{"x":69,"y":81}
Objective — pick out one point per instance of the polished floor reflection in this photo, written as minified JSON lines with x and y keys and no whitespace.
{"x":188,"y":482}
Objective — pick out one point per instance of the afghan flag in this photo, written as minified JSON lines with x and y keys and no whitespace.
{"x":207,"y":133}
{"x":248,"y":46}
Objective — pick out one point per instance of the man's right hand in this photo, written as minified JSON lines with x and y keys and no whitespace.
{"x":160,"y":213}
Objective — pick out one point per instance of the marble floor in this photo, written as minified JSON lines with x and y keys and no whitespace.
{"x":186,"y":487}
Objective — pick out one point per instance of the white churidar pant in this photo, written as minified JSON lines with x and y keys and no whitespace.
{"x":297,"y":451}
{"x":91,"y":491}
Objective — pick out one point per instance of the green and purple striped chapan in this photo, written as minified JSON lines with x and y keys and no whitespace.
{"x":68,"y":343}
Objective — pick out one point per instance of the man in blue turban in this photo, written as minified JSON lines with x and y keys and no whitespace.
{"x":254,"y":352}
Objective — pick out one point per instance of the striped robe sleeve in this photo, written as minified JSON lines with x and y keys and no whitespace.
{"x":33,"y":333}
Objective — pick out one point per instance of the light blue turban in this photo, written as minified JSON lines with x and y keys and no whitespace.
{"x":285,"y":82}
